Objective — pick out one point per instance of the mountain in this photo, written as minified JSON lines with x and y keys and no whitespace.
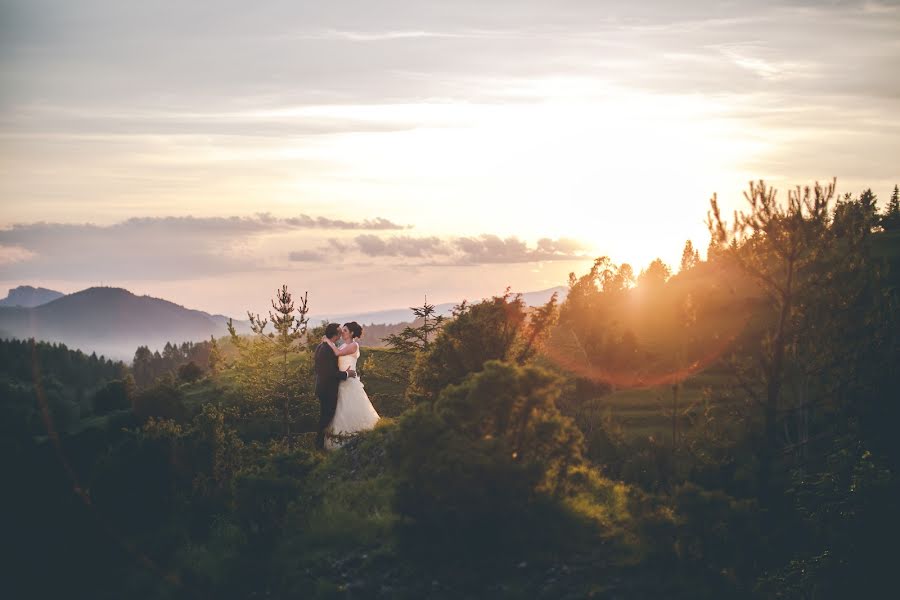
{"x":111,"y":321}
{"x":404,"y":315}
{"x":28,"y":296}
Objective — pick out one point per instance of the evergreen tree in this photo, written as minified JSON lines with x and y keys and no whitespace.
{"x":215,"y":355}
{"x":690,"y":257}
{"x":265,"y":368}
{"x":779,"y":245}
{"x":655,"y":275}
{"x":417,"y":337}
{"x":890,"y":221}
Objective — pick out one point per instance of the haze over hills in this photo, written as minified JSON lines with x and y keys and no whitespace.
{"x":114,"y":322}
{"x":111,"y":321}
{"x":404,"y":315}
{"x":28,"y":296}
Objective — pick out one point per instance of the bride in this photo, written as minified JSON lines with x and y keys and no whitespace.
{"x":354,"y":412}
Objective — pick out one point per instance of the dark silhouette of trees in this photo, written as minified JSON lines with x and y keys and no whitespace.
{"x":890,"y":221}
{"x":780,"y":245}
{"x":190,"y":372}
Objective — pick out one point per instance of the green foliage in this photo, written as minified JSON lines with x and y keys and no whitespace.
{"x":416,"y":337}
{"x":190,"y":372}
{"x":115,"y":395}
{"x":386,"y":374}
{"x":163,"y":400}
{"x":480,"y":461}
{"x":147,"y":366}
{"x":782,"y":246}
{"x":215,"y":360}
{"x":271,"y":379}
{"x":847,"y":506}
{"x":716,"y":533}
{"x":496,"y":329}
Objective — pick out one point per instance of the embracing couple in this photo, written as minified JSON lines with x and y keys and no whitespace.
{"x":345,"y":407}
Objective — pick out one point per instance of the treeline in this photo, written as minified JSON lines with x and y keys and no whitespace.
{"x":189,"y":360}
{"x":47,"y":386}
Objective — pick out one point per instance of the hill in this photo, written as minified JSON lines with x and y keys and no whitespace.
{"x":28,"y":296}
{"x":110,"y":321}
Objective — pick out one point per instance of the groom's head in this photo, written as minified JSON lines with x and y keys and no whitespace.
{"x":332,"y":331}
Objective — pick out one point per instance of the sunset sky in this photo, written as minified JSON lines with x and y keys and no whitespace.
{"x":372,"y":152}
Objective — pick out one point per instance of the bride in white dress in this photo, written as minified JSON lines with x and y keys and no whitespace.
{"x":354,"y":412}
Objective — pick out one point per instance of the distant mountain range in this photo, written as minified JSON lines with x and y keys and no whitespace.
{"x":28,"y":296}
{"x":110,"y":321}
{"x":404,"y":315}
{"x":114,"y":322}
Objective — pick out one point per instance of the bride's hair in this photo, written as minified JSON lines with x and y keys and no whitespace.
{"x":355,"y":329}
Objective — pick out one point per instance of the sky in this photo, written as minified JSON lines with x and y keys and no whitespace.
{"x":374,"y":152}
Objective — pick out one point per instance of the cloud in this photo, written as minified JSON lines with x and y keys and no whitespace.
{"x":14,"y":254}
{"x":488,"y":249}
{"x":406,"y":246}
{"x":457,"y":251}
{"x":163,"y":247}
{"x":307,"y":256}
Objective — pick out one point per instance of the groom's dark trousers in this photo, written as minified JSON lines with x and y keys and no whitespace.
{"x":328,"y":376}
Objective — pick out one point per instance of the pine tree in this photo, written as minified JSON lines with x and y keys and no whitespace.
{"x":655,"y":275}
{"x":890,"y":221}
{"x":265,"y":369}
{"x":779,"y":245}
{"x":415,"y":338}
{"x":690,"y":257}
{"x":215,"y":356}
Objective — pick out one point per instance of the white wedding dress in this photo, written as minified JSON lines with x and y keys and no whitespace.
{"x":354,"y":412}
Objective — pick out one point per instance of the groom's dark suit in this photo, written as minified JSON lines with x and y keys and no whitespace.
{"x":328,"y":376}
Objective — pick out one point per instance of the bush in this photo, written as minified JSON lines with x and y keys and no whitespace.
{"x":162,"y":401}
{"x":115,"y":395}
{"x":189,"y":372}
{"x":479,"y":466}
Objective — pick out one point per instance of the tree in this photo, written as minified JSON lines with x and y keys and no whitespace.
{"x":215,"y":355}
{"x":415,"y":338}
{"x":190,"y":371}
{"x":264,"y":367}
{"x":591,"y":323}
{"x":479,"y":462}
{"x":496,"y":329}
{"x":890,"y":221}
{"x":162,"y":400}
{"x":655,"y":275}
{"x":142,"y":366}
{"x":115,"y":395}
{"x":690,"y":257}
{"x":780,"y":245}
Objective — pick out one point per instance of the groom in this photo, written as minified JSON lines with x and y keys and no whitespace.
{"x":328,"y":376}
